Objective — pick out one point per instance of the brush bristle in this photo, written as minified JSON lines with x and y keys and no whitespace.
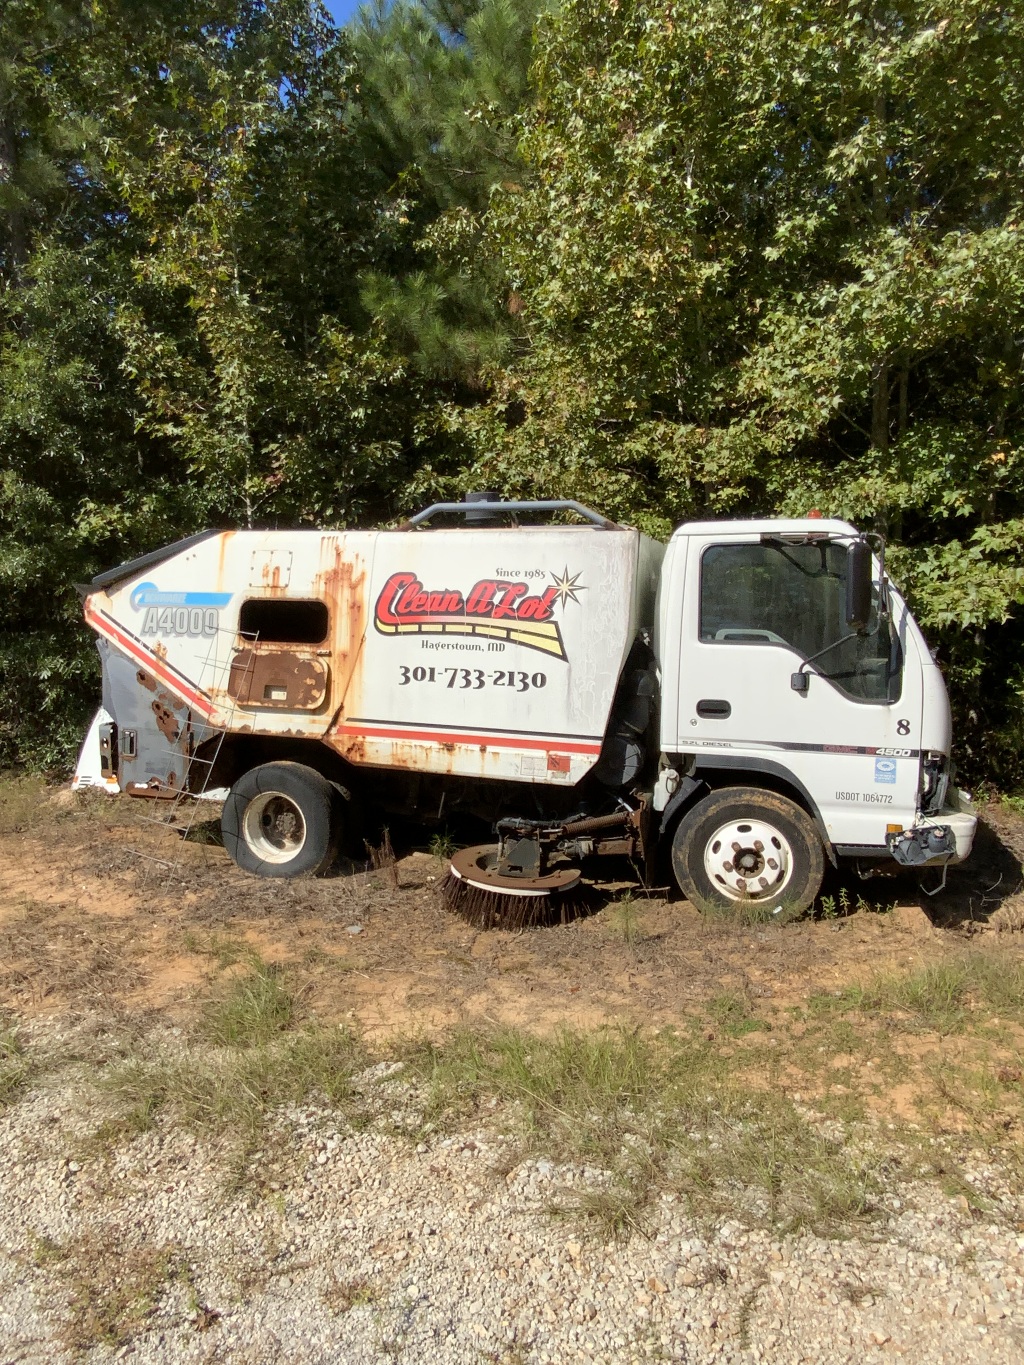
{"x":492,"y":910}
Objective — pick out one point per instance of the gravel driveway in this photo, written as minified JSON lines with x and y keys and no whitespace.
{"x":336,"y":1245}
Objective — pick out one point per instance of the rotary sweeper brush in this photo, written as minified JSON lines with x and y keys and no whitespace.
{"x":753,"y":700}
{"x":531,"y":878}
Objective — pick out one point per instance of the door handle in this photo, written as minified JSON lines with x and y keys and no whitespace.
{"x":713,"y":709}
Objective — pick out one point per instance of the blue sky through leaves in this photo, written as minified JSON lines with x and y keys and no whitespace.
{"x":343,"y":10}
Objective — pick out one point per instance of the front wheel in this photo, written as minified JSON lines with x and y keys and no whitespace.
{"x":282,"y":820}
{"x":744,"y":849}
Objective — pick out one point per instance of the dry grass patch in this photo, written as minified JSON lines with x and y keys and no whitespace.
{"x":343,"y":1295}
{"x":944,"y":996}
{"x":27,"y":805}
{"x":114,"y":1287}
{"x":249,"y":1058}
{"x":43,"y":953}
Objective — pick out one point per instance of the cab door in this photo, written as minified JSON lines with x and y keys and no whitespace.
{"x":759,"y":609}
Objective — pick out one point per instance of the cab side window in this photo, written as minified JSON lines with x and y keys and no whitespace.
{"x":795,"y":595}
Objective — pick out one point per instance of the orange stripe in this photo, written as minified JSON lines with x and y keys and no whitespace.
{"x":494,"y":741}
{"x":105,"y":626}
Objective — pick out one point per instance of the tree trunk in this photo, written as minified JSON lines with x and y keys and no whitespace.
{"x":880,"y":377}
{"x":880,"y":406}
{"x":17,"y":225}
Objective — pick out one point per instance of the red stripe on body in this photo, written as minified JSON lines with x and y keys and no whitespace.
{"x":106,"y":626}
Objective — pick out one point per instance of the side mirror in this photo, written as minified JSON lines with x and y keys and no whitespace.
{"x":858,"y":585}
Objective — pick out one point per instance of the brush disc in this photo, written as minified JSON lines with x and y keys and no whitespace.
{"x":479,"y":894}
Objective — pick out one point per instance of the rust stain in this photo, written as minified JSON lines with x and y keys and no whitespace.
{"x":225,"y":539}
{"x":160,"y":649}
{"x":271,"y":575}
{"x":166,"y":721}
{"x":342,"y":583}
{"x":285,"y":679}
{"x":146,"y":680}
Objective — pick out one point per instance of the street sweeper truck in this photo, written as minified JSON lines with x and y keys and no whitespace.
{"x":743,"y":706}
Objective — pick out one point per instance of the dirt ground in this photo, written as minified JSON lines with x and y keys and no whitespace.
{"x":838,"y":1173}
{"x":125,"y":905}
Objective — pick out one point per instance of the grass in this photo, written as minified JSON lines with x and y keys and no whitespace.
{"x":674,"y":1111}
{"x":252,"y":1011}
{"x":701,"y":1113}
{"x":941,"y":996}
{"x":248,"y":1059}
{"x":731,"y":1012}
{"x":344,"y":1295}
{"x":750,"y":914}
{"x":114,"y":1287}
{"x":653,"y":1112}
{"x":234,"y":1090}
{"x":623,"y":920}
{"x":29,"y":804}
{"x":25,"y":806}
{"x":15,"y":1067}
{"x":442,"y":847}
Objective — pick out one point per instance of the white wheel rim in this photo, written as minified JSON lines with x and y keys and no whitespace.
{"x":274,"y":828}
{"x":749,"y":860}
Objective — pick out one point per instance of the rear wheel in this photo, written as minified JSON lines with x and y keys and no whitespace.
{"x":282,"y":820}
{"x":744,"y":849}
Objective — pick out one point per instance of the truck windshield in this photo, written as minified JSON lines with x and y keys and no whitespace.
{"x":795,"y":595}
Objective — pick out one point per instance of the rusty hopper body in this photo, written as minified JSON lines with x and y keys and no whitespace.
{"x":487,"y":654}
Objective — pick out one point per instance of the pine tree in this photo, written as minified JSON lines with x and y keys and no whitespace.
{"x":442,"y":87}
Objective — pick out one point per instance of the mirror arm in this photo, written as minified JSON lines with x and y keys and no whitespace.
{"x":803,"y":676}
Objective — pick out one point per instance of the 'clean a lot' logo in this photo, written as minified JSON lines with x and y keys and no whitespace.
{"x":493,"y":609}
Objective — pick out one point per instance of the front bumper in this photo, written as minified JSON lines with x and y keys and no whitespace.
{"x":946,"y":837}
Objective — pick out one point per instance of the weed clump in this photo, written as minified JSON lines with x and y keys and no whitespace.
{"x":624,"y":921}
{"x":15,"y":1067}
{"x":249,"y":1058}
{"x":255,"y":1008}
{"x":940,"y":995}
{"x":114,"y":1289}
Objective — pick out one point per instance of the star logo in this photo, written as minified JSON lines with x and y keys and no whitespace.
{"x":567,"y":587}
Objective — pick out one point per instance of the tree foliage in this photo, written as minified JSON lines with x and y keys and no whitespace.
{"x":674,"y":259}
{"x":771,"y":258}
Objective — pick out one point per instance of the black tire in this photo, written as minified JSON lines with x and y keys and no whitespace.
{"x":779,"y":867}
{"x":282,"y":820}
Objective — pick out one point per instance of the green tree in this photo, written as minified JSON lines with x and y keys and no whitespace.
{"x":442,"y":88}
{"x":770,"y":258}
{"x":176,"y":343}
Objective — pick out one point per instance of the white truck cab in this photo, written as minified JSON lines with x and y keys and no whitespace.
{"x":764,"y":677}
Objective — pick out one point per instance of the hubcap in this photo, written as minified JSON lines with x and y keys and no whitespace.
{"x":273,"y":827}
{"x":749,"y":860}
